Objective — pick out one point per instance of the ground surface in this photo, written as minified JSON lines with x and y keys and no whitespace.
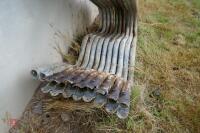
{"x":166,"y":93}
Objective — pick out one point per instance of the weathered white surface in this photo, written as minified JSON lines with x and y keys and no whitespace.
{"x":27,"y":40}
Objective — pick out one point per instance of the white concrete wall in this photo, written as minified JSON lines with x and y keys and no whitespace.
{"x":27,"y":40}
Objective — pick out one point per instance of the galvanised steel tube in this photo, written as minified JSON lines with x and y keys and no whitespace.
{"x":102,"y":73}
{"x":58,"y":89}
{"x":48,"y":70}
{"x":105,"y":47}
{"x":68,"y":91}
{"x":91,"y":84}
{"x":124,"y":41}
{"x":89,"y":95}
{"x":107,"y":84}
{"x":107,"y":31}
{"x":104,"y":30}
{"x":91,"y":78}
{"x":88,"y":37}
{"x":124,"y":99}
{"x":48,"y":87}
{"x":121,"y":110}
{"x":112,"y":38}
{"x":116,"y":47}
{"x":102,"y":42}
{"x":101,"y":77}
{"x":104,"y":36}
{"x":113,"y":96}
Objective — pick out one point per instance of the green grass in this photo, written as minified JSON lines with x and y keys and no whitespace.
{"x":166,"y":96}
{"x":196,"y":3}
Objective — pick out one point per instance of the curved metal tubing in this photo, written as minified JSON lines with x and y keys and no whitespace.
{"x":102,"y":73}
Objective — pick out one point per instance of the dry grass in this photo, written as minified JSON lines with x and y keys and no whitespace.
{"x":166,"y":95}
{"x":81,"y":117}
{"x":69,"y":105}
{"x":74,"y":44}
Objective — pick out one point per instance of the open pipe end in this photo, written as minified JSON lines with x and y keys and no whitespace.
{"x":89,"y":95}
{"x":61,"y":85}
{"x":123,"y":111}
{"x":101,"y":91}
{"x":111,"y":106}
{"x":34,"y":73}
{"x":42,"y":76}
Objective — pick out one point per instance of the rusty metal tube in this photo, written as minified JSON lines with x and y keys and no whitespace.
{"x":105,"y":41}
{"x":48,"y":87}
{"x":48,"y":70}
{"x":59,"y":88}
{"x":124,"y":100}
{"x":102,"y":37}
{"x":90,"y":43}
{"x":111,"y":40}
{"x":105,"y":46}
{"x":103,"y":71}
{"x":88,"y":37}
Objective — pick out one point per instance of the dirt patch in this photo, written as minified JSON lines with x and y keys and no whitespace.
{"x":67,"y":116}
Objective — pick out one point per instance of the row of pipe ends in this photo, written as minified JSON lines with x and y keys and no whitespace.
{"x":103,"y":73}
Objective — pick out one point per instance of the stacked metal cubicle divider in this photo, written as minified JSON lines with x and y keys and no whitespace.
{"x":103,"y":73}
